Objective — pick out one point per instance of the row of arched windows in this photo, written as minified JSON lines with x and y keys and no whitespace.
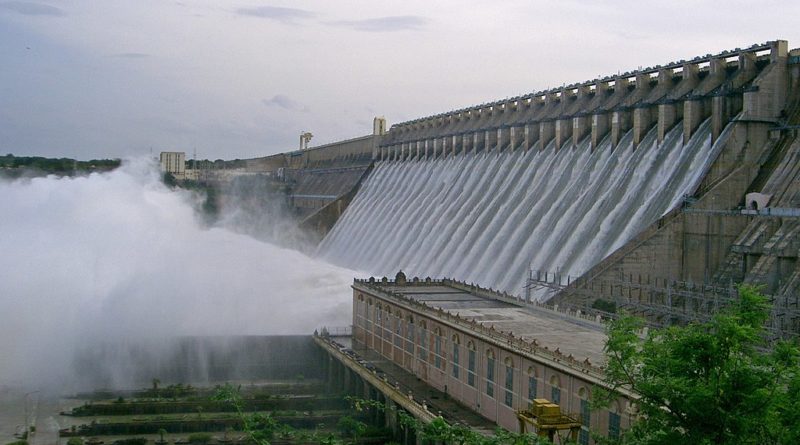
{"x":409,"y":333}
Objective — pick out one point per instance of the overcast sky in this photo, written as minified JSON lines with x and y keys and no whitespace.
{"x":239,"y":79}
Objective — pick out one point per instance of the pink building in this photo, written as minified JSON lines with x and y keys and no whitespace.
{"x":489,"y":351}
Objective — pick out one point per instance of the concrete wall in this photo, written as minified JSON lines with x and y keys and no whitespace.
{"x":337,"y":154}
{"x":321,"y":221}
{"x":131,"y":364}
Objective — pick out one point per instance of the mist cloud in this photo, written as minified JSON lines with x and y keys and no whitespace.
{"x":118,"y":256}
{"x":279,"y":14}
{"x":385,"y":24}
{"x":130,"y":55}
{"x":32,"y":8}
{"x":285,"y":102}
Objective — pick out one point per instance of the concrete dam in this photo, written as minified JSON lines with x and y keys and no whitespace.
{"x":577,"y":193}
{"x":487,"y":217}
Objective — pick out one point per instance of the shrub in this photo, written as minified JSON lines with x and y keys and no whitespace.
{"x":131,"y":441}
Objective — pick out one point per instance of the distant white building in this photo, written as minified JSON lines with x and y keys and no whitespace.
{"x":174,"y":162}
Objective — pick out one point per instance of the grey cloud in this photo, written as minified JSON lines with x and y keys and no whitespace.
{"x":32,"y":8}
{"x":285,"y":102}
{"x":283,"y":15}
{"x":130,"y":55}
{"x":385,"y":24}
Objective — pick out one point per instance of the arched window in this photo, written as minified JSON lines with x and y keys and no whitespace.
{"x":532,"y":382}
{"x":398,"y":329}
{"x":613,"y":420}
{"x":423,"y":340}
{"x":586,"y":416}
{"x":456,"y":364}
{"x":490,"y":365}
{"x":509,"y":383}
{"x":410,"y":334}
{"x":555,"y":392}
{"x":378,"y":326}
{"x":471,"y":364}
{"x":437,"y":348}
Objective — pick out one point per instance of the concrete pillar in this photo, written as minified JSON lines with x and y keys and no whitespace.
{"x":667,"y":117}
{"x":456,"y":142}
{"x":767,"y":101}
{"x":531,"y":136}
{"x":563,"y":133}
{"x":436,"y":148}
{"x":642,"y":121}
{"x":692,"y":117}
{"x":391,"y":421}
{"x":503,"y":138}
{"x":466,"y":143}
{"x":719,"y":116}
{"x":490,"y":140}
{"x":600,"y":126}
{"x":427,"y":148}
{"x":547,"y":131}
{"x":515,"y":136}
{"x":778,"y":51}
{"x":477,"y":141}
{"x":747,"y":63}
{"x":419,"y":149}
{"x":620,"y":124}
{"x":581,"y":126}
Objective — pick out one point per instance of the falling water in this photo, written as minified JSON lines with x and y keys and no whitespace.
{"x":489,"y":217}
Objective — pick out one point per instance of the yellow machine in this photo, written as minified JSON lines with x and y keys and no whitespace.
{"x":545,"y":420}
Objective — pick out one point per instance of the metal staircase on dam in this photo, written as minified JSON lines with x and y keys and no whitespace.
{"x":766,"y":251}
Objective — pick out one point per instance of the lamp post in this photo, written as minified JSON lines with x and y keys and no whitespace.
{"x":26,"y":423}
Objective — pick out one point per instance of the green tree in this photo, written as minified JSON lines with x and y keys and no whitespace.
{"x":161,"y":432}
{"x":718,"y":382}
{"x":351,"y":427}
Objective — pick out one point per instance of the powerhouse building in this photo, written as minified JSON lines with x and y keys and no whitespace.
{"x":492,"y":353}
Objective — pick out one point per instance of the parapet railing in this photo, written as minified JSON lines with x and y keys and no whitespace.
{"x":335,"y":331}
{"x":501,"y":338}
{"x":421,"y":407}
{"x":758,"y":47}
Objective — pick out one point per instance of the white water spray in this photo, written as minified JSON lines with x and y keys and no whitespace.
{"x":118,"y":257}
{"x":488,"y":218}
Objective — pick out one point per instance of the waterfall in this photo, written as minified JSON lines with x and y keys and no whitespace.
{"x":489,"y":217}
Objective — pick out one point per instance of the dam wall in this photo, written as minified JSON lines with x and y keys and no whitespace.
{"x":195,"y":360}
{"x":318,"y":176}
{"x":721,"y":237}
{"x":487,"y":217}
{"x":527,"y":194}
{"x":749,"y":81}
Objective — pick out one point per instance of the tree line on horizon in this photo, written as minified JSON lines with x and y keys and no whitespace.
{"x":16,"y":166}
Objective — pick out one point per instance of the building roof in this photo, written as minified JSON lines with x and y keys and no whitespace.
{"x":548,"y":331}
